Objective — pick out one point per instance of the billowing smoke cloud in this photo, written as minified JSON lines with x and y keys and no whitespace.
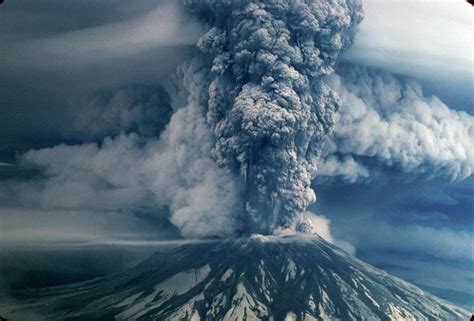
{"x":108,"y":176}
{"x":269,"y":109}
{"x":389,"y":120}
{"x":202,"y":197}
{"x":251,"y":113}
{"x":129,"y":171}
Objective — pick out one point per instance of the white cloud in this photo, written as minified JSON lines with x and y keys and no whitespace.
{"x":416,"y":37}
{"x":164,"y":26}
{"x":109,"y":176}
{"x":346,"y":169}
{"x":389,"y":120}
{"x":134,"y":43}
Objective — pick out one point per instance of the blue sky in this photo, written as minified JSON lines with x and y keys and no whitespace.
{"x":62,"y":66}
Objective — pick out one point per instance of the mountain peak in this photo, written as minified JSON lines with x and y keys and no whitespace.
{"x":256,"y":278}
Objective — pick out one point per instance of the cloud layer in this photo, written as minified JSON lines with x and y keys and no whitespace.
{"x":439,"y":51}
{"x":164,"y":25}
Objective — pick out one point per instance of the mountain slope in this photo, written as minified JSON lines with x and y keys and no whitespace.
{"x":258,"y":278}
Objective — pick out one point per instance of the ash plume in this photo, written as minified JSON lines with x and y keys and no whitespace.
{"x":250,"y":113}
{"x":268,"y":107}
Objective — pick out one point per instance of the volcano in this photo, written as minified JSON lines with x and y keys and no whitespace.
{"x":256,"y":278}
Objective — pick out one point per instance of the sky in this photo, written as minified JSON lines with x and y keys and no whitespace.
{"x":84,"y":92}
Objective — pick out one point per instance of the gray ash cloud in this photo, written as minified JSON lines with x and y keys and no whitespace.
{"x":267,"y":106}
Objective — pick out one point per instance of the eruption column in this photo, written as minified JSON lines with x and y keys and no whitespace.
{"x":268,"y":107}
